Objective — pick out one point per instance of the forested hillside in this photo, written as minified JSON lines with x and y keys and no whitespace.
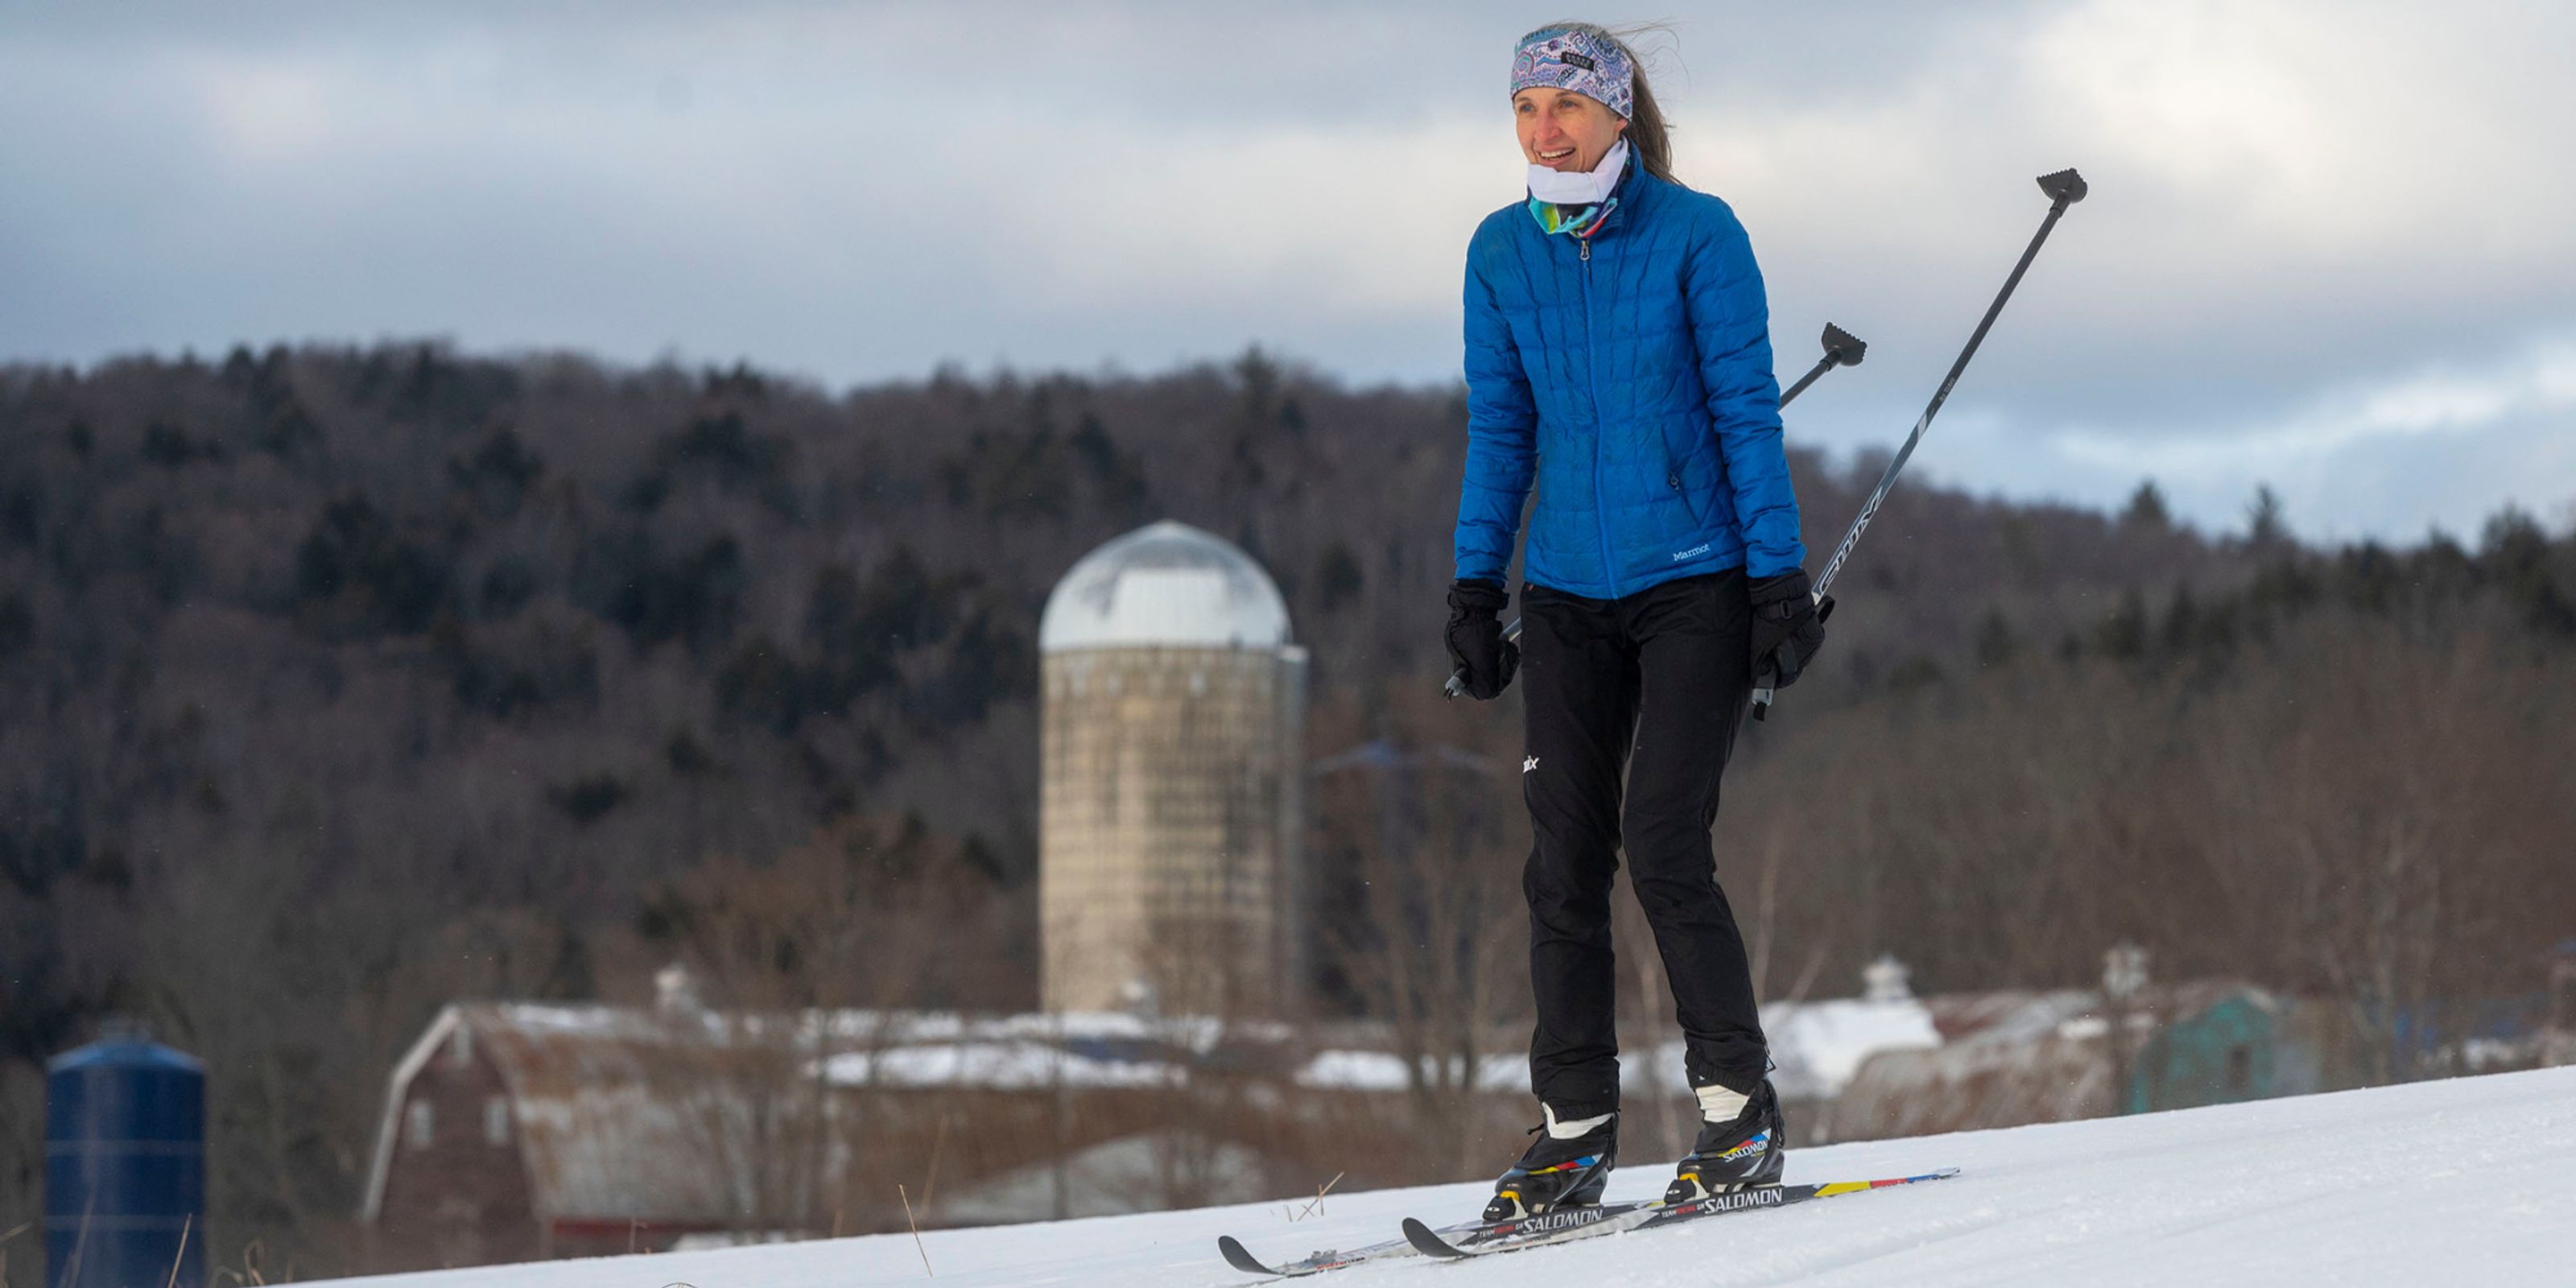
{"x":335,"y":684}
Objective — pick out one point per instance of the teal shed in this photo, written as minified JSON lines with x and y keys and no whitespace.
{"x":2212,"y":1050}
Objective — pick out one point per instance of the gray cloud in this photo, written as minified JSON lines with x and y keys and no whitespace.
{"x":2322,"y":251}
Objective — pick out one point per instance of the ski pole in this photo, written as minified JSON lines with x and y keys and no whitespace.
{"x":2063,"y":189}
{"x":1842,"y":349}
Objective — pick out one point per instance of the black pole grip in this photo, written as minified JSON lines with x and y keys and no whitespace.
{"x":1457,"y":684}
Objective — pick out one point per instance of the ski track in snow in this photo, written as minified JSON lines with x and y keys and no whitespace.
{"x":2470,"y":1181}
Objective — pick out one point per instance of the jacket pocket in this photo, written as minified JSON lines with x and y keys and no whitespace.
{"x":1678,"y":479}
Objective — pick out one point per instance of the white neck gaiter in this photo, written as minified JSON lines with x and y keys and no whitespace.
{"x":1580,"y":188}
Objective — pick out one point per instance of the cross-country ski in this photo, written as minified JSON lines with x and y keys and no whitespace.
{"x":1566,"y":1225}
{"x":1480,"y":1238}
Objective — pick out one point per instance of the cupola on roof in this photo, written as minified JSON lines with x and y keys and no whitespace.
{"x":1169,"y":584}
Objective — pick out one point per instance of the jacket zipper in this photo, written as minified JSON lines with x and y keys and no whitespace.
{"x":1592,"y":382}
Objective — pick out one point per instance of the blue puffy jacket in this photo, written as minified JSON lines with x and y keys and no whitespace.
{"x":1630,"y":378}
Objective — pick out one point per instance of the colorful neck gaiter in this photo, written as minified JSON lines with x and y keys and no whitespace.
{"x":1577,"y":203}
{"x":1581,"y":221}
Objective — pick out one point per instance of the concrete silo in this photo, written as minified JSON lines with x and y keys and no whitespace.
{"x":1170,"y":803}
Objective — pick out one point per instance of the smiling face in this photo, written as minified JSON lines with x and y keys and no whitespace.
{"x":1563,"y":130}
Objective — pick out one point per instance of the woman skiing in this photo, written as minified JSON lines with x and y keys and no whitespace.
{"x":1618,"y":356}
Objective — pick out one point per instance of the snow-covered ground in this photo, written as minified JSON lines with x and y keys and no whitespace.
{"x":2471,"y":1181}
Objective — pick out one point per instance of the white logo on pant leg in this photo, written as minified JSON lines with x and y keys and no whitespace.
{"x":1529,"y":764}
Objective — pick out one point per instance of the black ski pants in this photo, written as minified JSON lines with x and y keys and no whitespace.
{"x":1653,"y":685}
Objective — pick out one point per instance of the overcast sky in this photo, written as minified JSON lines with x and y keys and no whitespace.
{"x":2331,"y":245}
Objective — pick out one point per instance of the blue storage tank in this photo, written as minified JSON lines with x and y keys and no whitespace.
{"x":125,"y":1165}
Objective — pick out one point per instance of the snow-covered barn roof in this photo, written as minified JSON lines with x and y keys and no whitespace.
{"x":603,"y":1129}
{"x":1818,"y":1046}
{"x":626,"y":1113}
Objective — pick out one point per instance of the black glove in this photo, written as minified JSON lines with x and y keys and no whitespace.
{"x":1788,"y":628}
{"x":1477,"y":650}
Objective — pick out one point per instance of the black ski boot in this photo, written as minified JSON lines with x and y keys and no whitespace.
{"x":1557,"y":1173}
{"x":1738,"y":1154}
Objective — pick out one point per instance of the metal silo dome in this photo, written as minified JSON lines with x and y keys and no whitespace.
{"x":1164,"y":584}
